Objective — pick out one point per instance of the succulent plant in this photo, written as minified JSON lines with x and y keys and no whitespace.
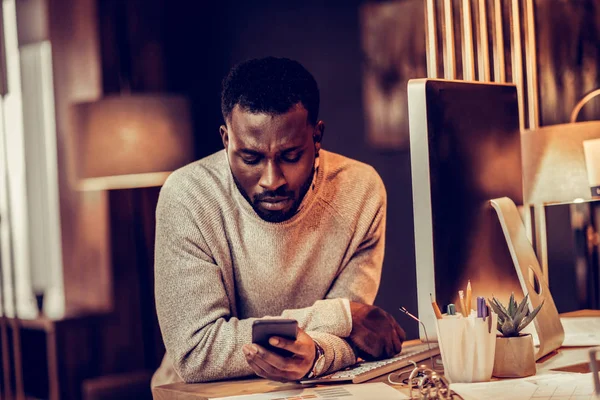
{"x":512,"y":319}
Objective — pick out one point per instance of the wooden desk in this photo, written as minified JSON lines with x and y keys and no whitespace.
{"x":203,"y":391}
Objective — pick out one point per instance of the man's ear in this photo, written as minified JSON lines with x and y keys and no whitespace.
{"x":318,"y":136}
{"x":224,"y":135}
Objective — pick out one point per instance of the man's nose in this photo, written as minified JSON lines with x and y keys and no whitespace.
{"x":272,"y":177}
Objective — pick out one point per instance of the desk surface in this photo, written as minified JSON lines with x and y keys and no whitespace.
{"x":202,"y":391}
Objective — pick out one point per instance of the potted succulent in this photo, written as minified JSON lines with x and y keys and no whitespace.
{"x":514,"y":350}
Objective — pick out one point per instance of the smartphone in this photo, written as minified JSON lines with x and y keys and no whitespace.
{"x":263,"y":329}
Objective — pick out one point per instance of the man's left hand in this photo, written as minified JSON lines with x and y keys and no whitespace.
{"x":272,"y":366}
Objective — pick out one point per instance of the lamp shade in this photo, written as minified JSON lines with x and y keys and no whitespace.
{"x":554,"y":168}
{"x":131,"y":141}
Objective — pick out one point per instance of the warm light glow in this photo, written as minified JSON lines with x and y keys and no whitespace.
{"x":554,"y":166}
{"x":131,"y":135}
{"x":578,"y":200}
{"x":123,"y":181}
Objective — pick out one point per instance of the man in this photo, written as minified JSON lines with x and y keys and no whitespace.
{"x":270,"y":226}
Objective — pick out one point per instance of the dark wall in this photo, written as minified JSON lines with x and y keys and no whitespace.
{"x":202,"y":44}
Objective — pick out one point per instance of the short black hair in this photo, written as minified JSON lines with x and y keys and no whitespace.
{"x":270,"y":85}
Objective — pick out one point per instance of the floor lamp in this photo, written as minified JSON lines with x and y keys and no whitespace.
{"x":127,"y":145}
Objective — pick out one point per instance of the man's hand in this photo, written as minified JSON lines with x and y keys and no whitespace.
{"x":375,"y":333}
{"x":272,"y":366}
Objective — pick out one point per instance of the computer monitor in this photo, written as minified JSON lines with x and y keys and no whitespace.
{"x":465,"y":151}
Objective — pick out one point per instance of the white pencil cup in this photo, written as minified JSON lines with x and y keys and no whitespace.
{"x":468,"y":347}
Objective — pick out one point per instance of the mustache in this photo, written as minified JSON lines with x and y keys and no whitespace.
{"x":281,"y":192}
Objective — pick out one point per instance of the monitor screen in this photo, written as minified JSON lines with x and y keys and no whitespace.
{"x":465,"y":150}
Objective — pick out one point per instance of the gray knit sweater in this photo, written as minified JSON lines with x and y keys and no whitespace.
{"x":219,"y":266}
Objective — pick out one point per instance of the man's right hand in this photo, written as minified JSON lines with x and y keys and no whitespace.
{"x":375,"y":333}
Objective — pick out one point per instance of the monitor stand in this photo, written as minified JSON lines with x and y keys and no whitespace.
{"x":547,"y":323}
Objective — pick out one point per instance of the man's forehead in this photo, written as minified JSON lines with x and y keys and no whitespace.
{"x":259,"y":130}
{"x":297,"y":113}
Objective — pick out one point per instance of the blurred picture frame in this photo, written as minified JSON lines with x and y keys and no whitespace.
{"x":393,"y":51}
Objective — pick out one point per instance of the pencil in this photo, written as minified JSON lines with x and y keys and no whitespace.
{"x":463,"y":308}
{"x":436,"y":309}
{"x":468,"y":298}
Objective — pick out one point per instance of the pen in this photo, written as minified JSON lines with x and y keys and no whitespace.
{"x":463,"y":308}
{"x":451,"y":309}
{"x":436,"y":309}
{"x":480,"y":312}
{"x":469,"y":298}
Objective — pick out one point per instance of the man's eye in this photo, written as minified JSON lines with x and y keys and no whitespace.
{"x":250,"y":160}
{"x":292,"y":158}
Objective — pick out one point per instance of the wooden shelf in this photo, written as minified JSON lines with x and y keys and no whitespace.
{"x":44,"y":323}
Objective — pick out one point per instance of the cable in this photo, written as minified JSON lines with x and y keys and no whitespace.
{"x":405,"y":311}
{"x":425,"y":383}
{"x":392,"y":382}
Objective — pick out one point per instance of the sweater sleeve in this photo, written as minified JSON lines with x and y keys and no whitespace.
{"x":328,"y":321}
{"x":201,"y":337}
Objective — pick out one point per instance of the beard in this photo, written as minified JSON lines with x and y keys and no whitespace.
{"x":276,"y":216}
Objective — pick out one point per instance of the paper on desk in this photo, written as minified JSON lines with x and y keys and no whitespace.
{"x":564,"y":359}
{"x":579,"y":331}
{"x":549,"y":386}
{"x":363,"y":391}
{"x":584,"y":331}
{"x":499,"y":390}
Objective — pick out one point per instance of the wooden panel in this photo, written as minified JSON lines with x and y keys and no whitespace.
{"x":568,"y":42}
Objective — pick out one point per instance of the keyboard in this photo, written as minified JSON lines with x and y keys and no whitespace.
{"x":366,"y":370}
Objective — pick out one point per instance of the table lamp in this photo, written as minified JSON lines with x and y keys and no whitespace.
{"x":555,"y":176}
{"x":554,"y":167}
{"x":131,"y":141}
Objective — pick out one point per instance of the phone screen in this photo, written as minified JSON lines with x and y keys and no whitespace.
{"x":263,"y":329}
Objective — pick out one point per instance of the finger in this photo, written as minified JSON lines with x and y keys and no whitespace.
{"x":249,"y":354}
{"x":375,"y":344}
{"x":271,"y":371}
{"x":400,"y":341}
{"x":396,"y":343}
{"x":401,"y":336}
{"x":257,"y":353}
{"x":283,"y":343}
{"x":277,"y":361}
{"x":401,"y":332}
{"x":264,"y":374}
{"x":302,"y":346}
{"x":388,"y":345}
{"x":396,"y":340}
{"x":257,"y":370}
{"x":258,"y":365}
